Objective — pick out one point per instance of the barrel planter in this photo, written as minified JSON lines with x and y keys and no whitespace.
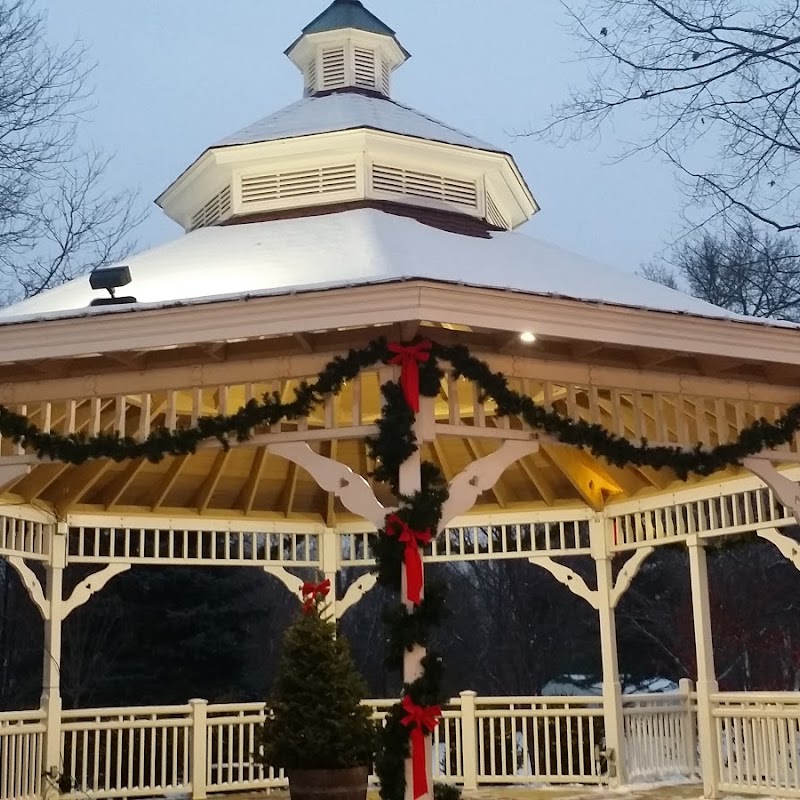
{"x":328,"y":784}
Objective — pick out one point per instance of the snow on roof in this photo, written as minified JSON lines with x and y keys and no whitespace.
{"x":348,"y":110}
{"x":351,"y":248}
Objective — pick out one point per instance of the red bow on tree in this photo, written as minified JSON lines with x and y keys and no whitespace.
{"x":413,"y":559}
{"x":409,"y":357}
{"x":311,"y":591}
{"x":420,"y":721}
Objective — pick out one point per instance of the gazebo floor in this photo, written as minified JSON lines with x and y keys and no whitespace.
{"x":664,"y":792}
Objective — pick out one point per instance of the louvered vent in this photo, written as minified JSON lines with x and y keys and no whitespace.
{"x":311,"y":76}
{"x":423,"y":184}
{"x":364,"y":64}
{"x":304,"y":183}
{"x":493,"y":215}
{"x":386,"y":75}
{"x":215,"y":209}
{"x":333,"y":71}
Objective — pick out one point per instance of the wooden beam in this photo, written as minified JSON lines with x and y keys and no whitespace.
{"x":330,"y":510}
{"x":247,"y":496}
{"x":119,"y":485}
{"x":477,"y":454}
{"x":443,"y":462}
{"x":544,"y":489}
{"x":77,"y":483}
{"x":38,"y":481}
{"x":204,"y":494}
{"x":165,"y":486}
{"x":589,"y":479}
{"x":303,"y":341}
{"x":289,"y":490}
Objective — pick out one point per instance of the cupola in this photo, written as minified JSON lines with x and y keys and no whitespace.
{"x":347,"y":142}
{"x":347,"y":47}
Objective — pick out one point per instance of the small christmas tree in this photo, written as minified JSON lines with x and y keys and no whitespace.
{"x":316,"y":720}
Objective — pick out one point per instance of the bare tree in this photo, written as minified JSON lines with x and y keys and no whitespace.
{"x":56,"y":217}
{"x":714,"y":88}
{"x":751,"y":272}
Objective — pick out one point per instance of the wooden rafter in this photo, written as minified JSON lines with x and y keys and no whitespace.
{"x":38,"y":481}
{"x":165,"y":485}
{"x":544,"y":489}
{"x":591,"y":481}
{"x":289,"y":490}
{"x":113,"y":493}
{"x":204,"y":494}
{"x":77,"y":483}
{"x":247,"y":496}
{"x":477,"y":453}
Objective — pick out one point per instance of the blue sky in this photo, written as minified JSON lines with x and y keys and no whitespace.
{"x":173,"y":76}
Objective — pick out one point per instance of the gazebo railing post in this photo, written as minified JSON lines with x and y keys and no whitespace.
{"x":612,"y":689}
{"x":686,"y":688}
{"x":199,"y":767}
{"x":469,"y":740}
{"x":51,"y":673}
{"x":707,"y":685}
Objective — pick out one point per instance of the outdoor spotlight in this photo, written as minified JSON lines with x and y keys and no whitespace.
{"x":528,"y":337}
{"x":110,"y":279}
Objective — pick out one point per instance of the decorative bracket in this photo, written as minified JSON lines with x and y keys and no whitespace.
{"x":354,"y":593}
{"x":630,"y":569}
{"x":353,"y":490}
{"x":574,"y":582}
{"x":82,"y":593}
{"x":291,"y":582}
{"x":577,"y":585}
{"x":481,"y":475}
{"x":786,"y":490}
{"x":789,"y":548}
{"x":32,"y":584}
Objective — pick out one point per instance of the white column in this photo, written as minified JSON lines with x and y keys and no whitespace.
{"x":199,"y":748}
{"x":612,"y":688}
{"x":469,"y":740}
{"x":706,"y":675}
{"x":51,"y":674}
{"x":410,"y":480}
{"x":329,"y":561}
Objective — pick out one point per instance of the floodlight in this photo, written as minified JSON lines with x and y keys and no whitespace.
{"x":110,"y":278}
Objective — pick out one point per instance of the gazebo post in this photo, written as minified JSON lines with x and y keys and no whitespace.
{"x":612,"y":689}
{"x":410,"y":482}
{"x":706,"y":675}
{"x":51,"y":671}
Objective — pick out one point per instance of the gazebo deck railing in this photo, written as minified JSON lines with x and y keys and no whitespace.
{"x":201,"y":748}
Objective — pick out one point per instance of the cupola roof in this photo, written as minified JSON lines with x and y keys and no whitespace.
{"x":347,"y":14}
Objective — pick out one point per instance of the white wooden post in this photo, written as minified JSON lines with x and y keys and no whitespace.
{"x":686,"y":687}
{"x":410,"y":482}
{"x":329,"y":561}
{"x":706,"y":675}
{"x":51,"y":672}
{"x":469,"y":740}
{"x":612,"y":689}
{"x":199,"y":748}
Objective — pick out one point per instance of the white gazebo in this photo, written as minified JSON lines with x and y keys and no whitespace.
{"x":342,"y":218}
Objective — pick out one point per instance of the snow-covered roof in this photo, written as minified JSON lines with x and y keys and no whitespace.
{"x":352,"y":248}
{"x":348,"y":110}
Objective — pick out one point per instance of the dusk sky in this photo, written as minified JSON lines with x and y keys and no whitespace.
{"x":174,"y":76}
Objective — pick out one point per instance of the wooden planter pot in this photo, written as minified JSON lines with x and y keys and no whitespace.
{"x":328,"y":784}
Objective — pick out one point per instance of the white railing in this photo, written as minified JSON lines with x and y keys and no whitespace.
{"x":759,"y":742}
{"x":21,"y":737}
{"x":199,"y":748}
{"x":660,"y":735}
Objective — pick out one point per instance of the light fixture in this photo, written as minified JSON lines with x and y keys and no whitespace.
{"x":110,"y":279}
{"x":528,"y":337}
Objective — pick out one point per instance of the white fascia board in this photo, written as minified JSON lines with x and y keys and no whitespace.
{"x":365,"y":306}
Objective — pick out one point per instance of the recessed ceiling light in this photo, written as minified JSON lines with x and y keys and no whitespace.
{"x":528,"y":337}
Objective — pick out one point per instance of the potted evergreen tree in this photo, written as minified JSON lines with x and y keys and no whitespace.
{"x":316,"y":728}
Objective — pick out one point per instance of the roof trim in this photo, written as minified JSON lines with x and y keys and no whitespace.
{"x":177,"y":324}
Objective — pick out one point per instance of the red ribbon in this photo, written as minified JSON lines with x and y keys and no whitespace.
{"x":409,"y":357}
{"x":310,"y":591}
{"x":413,"y":559}
{"x":421,"y":721}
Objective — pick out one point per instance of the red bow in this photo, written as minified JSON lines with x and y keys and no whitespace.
{"x":413,"y":560}
{"x":421,"y":721}
{"x":310,"y":591}
{"x":409,"y":357}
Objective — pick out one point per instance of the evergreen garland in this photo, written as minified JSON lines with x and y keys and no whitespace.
{"x":393,"y":444}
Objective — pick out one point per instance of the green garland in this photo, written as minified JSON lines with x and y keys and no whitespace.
{"x":392,"y":445}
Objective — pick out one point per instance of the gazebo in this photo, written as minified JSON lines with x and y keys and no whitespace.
{"x":351,"y":223}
